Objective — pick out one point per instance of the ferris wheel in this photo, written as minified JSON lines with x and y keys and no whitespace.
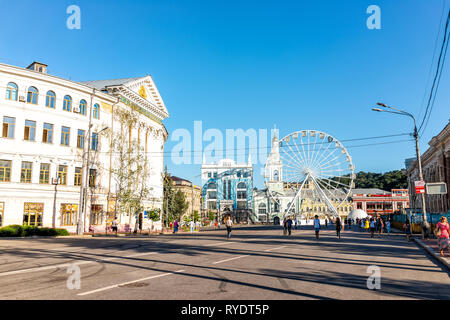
{"x":315,"y":165}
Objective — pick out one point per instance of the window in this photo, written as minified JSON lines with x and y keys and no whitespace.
{"x":96,"y":214}
{"x":32,"y":95}
{"x":276,"y":177}
{"x":242,"y":194}
{"x":77,"y":179}
{"x":25,"y":174}
{"x":94,"y":144}
{"x":62,"y":174}
{"x":209,"y":174}
{"x":92,"y":177}
{"x":5,"y":170}
{"x":242,"y":185}
{"x":83,"y":105}
{"x":11,"y":91}
{"x":69,"y":214}
{"x":276,"y":207}
{"x":96,"y":111}
{"x":65,"y":135}
{"x":44,"y":173}
{"x":359,"y":205}
{"x":262,"y":208}
{"x":212,"y":185}
{"x":80,"y":139}
{"x":67,"y":104}
{"x":50,"y":99}
{"x":8,"y":127}
{"x":32,"y":214}
{"x":212,"y":205}
{"x":30,"y":130}
{"x":47,"y":134}
{"x":212,"y":194}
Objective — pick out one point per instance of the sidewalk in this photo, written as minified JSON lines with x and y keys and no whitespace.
{"x":431,"y":245}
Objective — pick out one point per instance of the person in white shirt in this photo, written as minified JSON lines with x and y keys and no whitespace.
{"x":191,"y":224}
{"x":316,"y":224}
{"x":229,"y":224}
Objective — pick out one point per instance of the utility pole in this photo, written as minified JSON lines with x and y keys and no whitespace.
{"x":425,"y":224}
{"x":55,"y":181}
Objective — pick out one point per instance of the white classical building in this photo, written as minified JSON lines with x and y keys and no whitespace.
{"x":49,"y":123}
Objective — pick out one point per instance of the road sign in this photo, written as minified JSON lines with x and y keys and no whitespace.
{"x":436,"y":188}
{"x":145,"y":214}
{"x":420,"y":186}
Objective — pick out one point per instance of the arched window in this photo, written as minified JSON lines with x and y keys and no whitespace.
{"x":83,"y":105}
{"x":212,"y":185}
{"x":276,"y":176}
{"x":96,"y":111}
{"x":32,"y":95}
{"x":50,"y":99}
{"x":242,"y":185}
{"x":11,"y":91}
{"x":67,"y":104}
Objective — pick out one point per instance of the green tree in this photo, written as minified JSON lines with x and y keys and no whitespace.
{"x":180,"y":205}
{"x":211,"y":215}
{"x":130,"y":168}
{"x":196,"y":216}
{"x":168,"y":198}
{"x":154,"y":214}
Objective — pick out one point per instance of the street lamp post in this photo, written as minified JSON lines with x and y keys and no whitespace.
{"x":425,"y":224}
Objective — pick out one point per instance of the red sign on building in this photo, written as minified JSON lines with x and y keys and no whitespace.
{"x":420,"y":186}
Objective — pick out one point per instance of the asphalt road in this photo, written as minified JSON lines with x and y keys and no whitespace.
{"x":257,"y":263}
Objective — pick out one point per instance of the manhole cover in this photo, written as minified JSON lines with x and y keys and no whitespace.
{"x":134,"y":285}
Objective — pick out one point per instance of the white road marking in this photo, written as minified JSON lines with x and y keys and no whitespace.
{"x":63,"y":265}
{"x":230,"y":259}
{"x":129,"y":282}
{"x":274,"y":248}
{"x":216,"y":244}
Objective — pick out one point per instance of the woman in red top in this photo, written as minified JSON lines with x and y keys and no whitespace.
{"x":443,"y":239}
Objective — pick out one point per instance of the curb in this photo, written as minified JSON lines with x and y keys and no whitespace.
{"x":443,"y":260}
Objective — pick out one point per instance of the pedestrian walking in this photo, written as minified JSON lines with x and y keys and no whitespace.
{"x":379,"y":226}
{"x":191,"y":226}
{"x":349,"y":224}
{"x":215,"y":224}
{"x":175,"y":226}
{"x":326,"y":223}
{"x":284,"y":226}
{"x":407,"y":228}
{"x":114,"y":225}
{"x":372,"y":227}
{"x":388,"y":226}
{"x":338,"y":227}
{"x":316,"y":224}
{"x":366,"y":225}
{"x":442,"y":233}
{"x":228,"y":224}
{"x":289,"y":225}
{"x":295,"y":223}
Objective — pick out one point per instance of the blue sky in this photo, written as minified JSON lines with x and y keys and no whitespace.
{"x":251,"y":64}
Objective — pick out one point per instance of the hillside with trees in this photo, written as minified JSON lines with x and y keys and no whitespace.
{"x":385,"y":181}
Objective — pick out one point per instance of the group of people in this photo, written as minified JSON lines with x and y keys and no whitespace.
{"x":192,"y":225}
{"x":375,"y":225}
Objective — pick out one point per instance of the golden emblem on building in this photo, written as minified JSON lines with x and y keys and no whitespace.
{"x":142,"y":92}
